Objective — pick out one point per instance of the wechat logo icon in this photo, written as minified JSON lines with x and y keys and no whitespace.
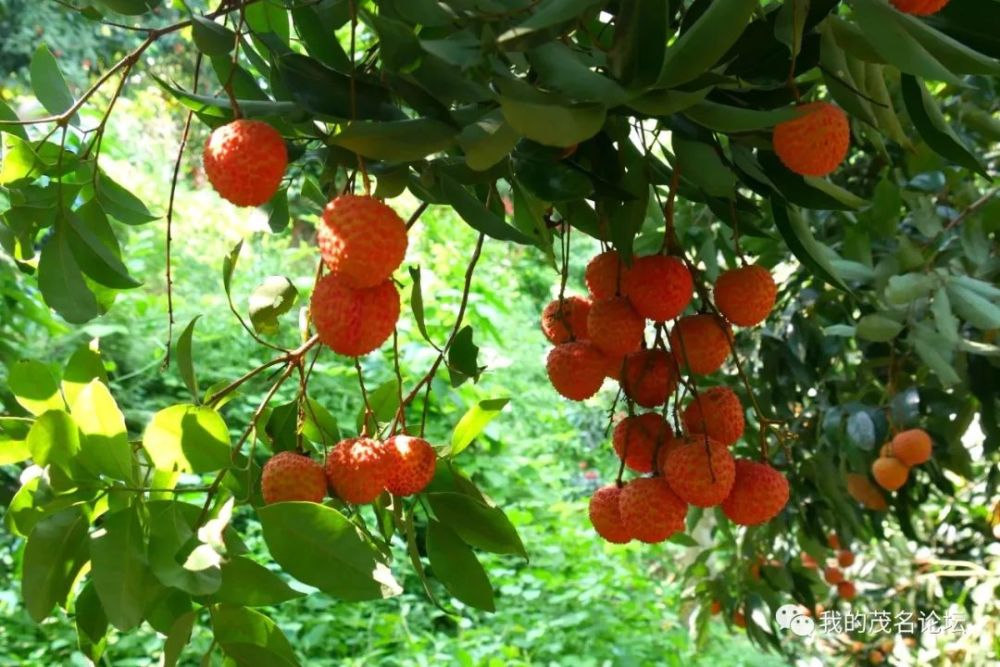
{"x":790,"y":617}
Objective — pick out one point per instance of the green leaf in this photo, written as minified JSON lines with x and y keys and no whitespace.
{"x":972,"y":307}
{"x":250,"y":638}
{"x":91,"y":624}
{"x":104,"y":448}
{"x":560,"y":68}
{"x":54,"y":438}
{"x":908,"y":287}
{"x":705,"y":42}
{"x":277,"y":211}
{"x":229,"y":265}
{"x":267,"y":17}
{"x":384,"y":402}
{"x":547,"y":15}
{"x":20,"y":161}
{"x":119,"y":570}
{"x":249,"y":584}
{"x":953,"y":54}
{"x":700,"y":164}
{"x":121,"y":204}
{"x":269,"y":301}
{"x":396,"y":141}
{"x":477,"y":215}
{"x":187,"y":438}
{"x":61,"y":282}
{"x":320,"y":425}
{"x":211,"y":38}
{"x":13,"y":443}
{"x":478,"y":524}
{"x":130,"y":7}
{"x":97,"y":260}
{"x":928,"y":351}
{"x":463,"y":357}
{"x":790,"y":23}
{"x":457,"y":567}
{"x":666,"y":102}
{"x":933,"y":128}
{"x":54,"y":554}
{"x":221,"y":107}
{"x":314,"y":29}
{"x":474,"y":421}
{"x":176,"y":556}
{"x":844,"y":196}
{"x":641,"y":32}
{"x":319,"y":546}
{"x":796,"y":233}
{"x":48,"y":83}
{"x":724,"y":118}
{"x":85,"y":365}
{"x":34,"y":386}
{"x":178,"y":637}
{"x":417,"y":303}
{"x":878,"y":328}
{"x":552,"y":124}
{"x":322,"y":90}
{"x":487,"y":141}
{"x":185,"y":358}
{"x":7,"y":114}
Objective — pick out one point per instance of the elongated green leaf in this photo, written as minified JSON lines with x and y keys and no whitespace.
{"x":457,"y":567}
{"x":951,"y":53}
{"x":54,"y":554}
{"x":221,"y":107}
{"x":478,"y":524}
{"x":48,"y":83}
{"x":973,"y":308}
{"x":559,"y":68}
{"x":700,"y":164}
{"x":250,"y":638}
{"x":104,"y":447}
{"x":383,"y":401}
{"x":640,"y":37}
{"x":178,"y":637}
{"x":20,"y":161}
{"x":474,"y":421}
{"x":546,"y":16}
{"x":803,"y":244}
{"x":698,"y":49}
{"x":396,"y":141}
{"x":177,"y":557}
{"x":91,"y":624}
{"x":187,"y":438}
{"x":211,"y":38}
{"x":928,"y":350}
{"x":933,"y":128}
{"x":54,"y":438}
{"x":130,"y":7}
{"x":322,"y":90}
{"x":878,"y":328}
{"x":34,"y":386}
{"x":417,"y":303}
{"x":121,"y":204}
{"x":249,"y":584}
{"x":83,"y":366}
{"x":96,"y":259}
{"x":553,"y":124}
{"x":7,"y":114}
{"x":726,"y":118}
{"x":478,"y":216}
{"x":185,"y":358}
{"x":319,"y":546}
{"x":269,"y":301}
{"x":119,"y":570}
{"x":487,"y":141}
{"x":13,"y":440}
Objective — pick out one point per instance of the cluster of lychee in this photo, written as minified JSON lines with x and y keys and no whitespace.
{"x":604,"y":336}
{"x":833,"y":571}
{"x":357,"y":471}
{"x":907,"y":449}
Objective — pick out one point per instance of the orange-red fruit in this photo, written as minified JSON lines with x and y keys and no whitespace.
{"x":701,"y":341}
{"x":745,"y":296}
{"x":659,"y":287}
{"x":833,"y":575}
{"x":833,"y":541}
{"x":602,"y":275}
{"x":566,"y":320}
{"x":636,"y":438}
{"x":911,"y":447}
{"x":353,"y":321}
{"x":650,"y":510}
{"x":876,"y":657}
{"x":715,"y":608}
{"x":919,"y":7}
{"x":245,"y":161}
{"x":648,"y":377}
{"x":361,"y":239}
{"x":357,"y":470}
{"x":759,"y":493}
{"x":846,"y":590}
{"x":717,"y":413}
{"x":669,"y":446}
{"x":861,"y":489}
{"x":289,"y":476}
{"x":739,"y":619}
{"x":814,"y":143}
{"x":808,"y":561}
{"x":411,"y":464}
{"x":889,"y":472}
{"x":576,"y":369}
{"x":701,"y":478}
{"x":606,"y":517}
{"x":615,"y":327}
{"x":845,"y":558}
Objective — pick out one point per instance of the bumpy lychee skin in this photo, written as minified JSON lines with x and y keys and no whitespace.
{"x":659,"y":287}
{"x":759,"y":493}
{"x":576,"y":369}
{"x":602,"y":275}
{"x":919,"y":7}
{"x":745,"y":296}
{"x":245,"y":161}
{"x":650,"y":510}
{"x":357,"y":470}
{"x":648,"y":377}
{"x":845,"y":558}
{"x":411,"y":464}
{"x":615,"y":327}
{"x":566,"y":320}
{"x":361,"y":239}
{"x":670,"y":445}
{"x":911,"y":447}
{"x":846,"y":590}
{"x":288,"y":476}
{"x":700,"y":343}
{"x":814,"y":143}
{"x":636,"y":439}
{"x":890,"y":472}
{"x":717,"y":413}
{"x":606,"y":517}
{"x":353,"y":321}
{"x":696,"y":477}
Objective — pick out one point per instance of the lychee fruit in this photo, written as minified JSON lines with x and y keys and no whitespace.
{"x":862,"y":490}
{"x":919,"y":7}
{"x":890,"y":472}
{"x":739,"y":619}
{"x":362,"y":239}
{"x":648,"y":377}
{"x":715,"y":607}
{"x":606,"y":517}
{"x":911,"y":447}
{"x":650,"y":510}
{"x":659,"y":287}
{"x":636,"y":438}
{"x":759,"y":493}
{"x":576,"y":369}
{"x":717,"y":413}
{"x":846,"y":590}
{"x":357,"y":470}
{"x":699,"y":477}
{"x":245,"y":161}
{"x":566,"y":320}
{"x":808,"y":561}
{"x":615,"y":327}
{"x":745,"y":296}
{"x":701,"y":342}
{"x":353,"y":321}
{"x":613,"y":370}
{"x":670,"y":445}
{"x":833,"y":575}
{"x":845,"y":558}
{"x":833,"y":541}
{"x":288,"y":476}
{"x":605,"y":274}
{"x":411,"y":464}
{"x":814,"y":143}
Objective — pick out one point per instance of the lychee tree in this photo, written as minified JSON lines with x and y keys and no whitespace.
{"x":797,"y":190}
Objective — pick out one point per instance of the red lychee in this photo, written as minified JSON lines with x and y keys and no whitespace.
{"x":353,"y":321}
{"x":698,"y":478}
{"x":716,"y":412}
{"x":576,"y":369}
{"x":566,"y":320}
{"x":636,"y":438}
{"x":604,"y":275}
{"x":659,"y":287}
{"x":648,"y":377}
{"x":606,"y":516}
{"x":919,"y":7}
{"x":288,"y":476}
{"x":701,"y":341}
{"x":650,"y":510}
{"x":245,"y":161}
{"x":362,"y":239}
{"x":814,"y":143}
{"x":759,"y":493}
{"x":615,"y":327}
{"x":745,"y":296}
{"x":411,"y":464}
{"x":357,"y":470}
